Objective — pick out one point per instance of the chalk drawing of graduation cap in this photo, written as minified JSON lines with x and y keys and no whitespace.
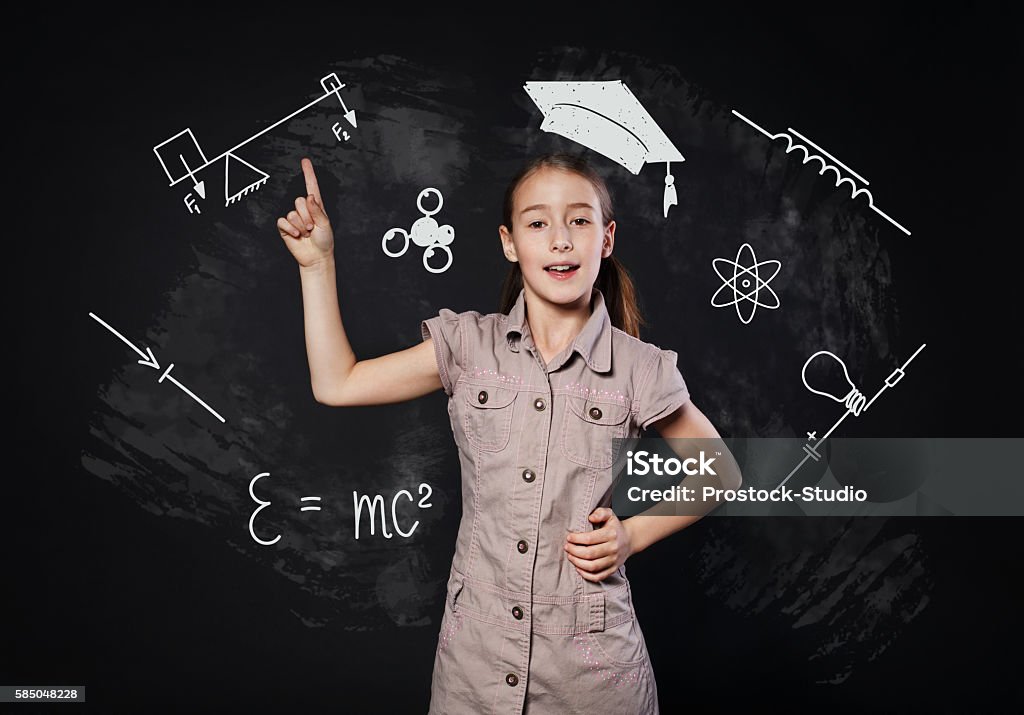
{"x":607,"y":118}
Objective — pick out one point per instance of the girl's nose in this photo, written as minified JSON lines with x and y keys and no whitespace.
{"x":560,"y":240}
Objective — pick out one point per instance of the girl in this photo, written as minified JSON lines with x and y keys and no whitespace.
{"x":538,"y":614}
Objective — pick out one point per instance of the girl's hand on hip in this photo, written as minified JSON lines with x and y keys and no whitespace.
{"x":597,"y":554}
{"x":306,"y":231}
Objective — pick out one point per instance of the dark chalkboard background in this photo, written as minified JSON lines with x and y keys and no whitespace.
{"x":127,"y":548}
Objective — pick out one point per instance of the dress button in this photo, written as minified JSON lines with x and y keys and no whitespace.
{"x":522,"y":546}
{"x":512,"y":679}
{"x":482,"y":397}
{"x":528,"y":475}
{"x":517,"y":613}
{"x":538,"y":404}
{"x":595,"y":413}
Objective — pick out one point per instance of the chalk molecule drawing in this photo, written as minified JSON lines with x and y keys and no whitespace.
{"x":607,"y":118}
{"x":825,"y":166}
{"x":426,"y":233}
{"x":181,"y":156}
{"x":742,"y":283}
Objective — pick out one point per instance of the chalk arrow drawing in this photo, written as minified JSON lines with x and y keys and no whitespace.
{"x":331,"y":83}
{"x":149,"y":360}
{"x":199,"y":186}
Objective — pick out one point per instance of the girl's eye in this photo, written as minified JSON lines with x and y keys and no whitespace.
{"x":536,"y":224}
{"x":581,"y":220}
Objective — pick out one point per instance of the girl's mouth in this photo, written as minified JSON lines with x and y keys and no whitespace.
{"x":562,"y":272}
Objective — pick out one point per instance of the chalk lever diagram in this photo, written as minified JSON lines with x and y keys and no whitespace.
{"x":834,"y":387}
{"x":182,"y":158}
{"x":149,"y":360}
{"x":425,"y":233}
{"x":856,"y":190}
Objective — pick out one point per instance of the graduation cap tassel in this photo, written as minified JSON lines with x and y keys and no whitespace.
{"x":670,"y":189}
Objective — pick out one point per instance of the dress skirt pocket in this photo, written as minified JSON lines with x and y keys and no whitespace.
{"x":574,"y":675}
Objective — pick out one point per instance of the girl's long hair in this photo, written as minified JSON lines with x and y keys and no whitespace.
{"x":612,"y":279}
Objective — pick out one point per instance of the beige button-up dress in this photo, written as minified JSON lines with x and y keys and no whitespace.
{"x":522,"y":631}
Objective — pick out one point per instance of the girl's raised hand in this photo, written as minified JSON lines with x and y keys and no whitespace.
{"x":306,"y":231}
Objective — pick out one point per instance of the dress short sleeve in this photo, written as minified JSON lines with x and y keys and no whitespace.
{"x":662,"y":390}
{"x":446,"y":331}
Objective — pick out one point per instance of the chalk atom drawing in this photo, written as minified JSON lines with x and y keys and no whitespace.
{"x":742,"y":281}
{"x":607,"y":118}
{"x":182,"y":158}
{"x":808,"y":156}
{"x":425,"y":233}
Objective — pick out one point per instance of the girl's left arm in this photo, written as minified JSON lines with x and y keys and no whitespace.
{"x":687,"y":422}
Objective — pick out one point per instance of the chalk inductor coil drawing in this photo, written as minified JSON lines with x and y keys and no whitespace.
{"x":838,"y":168}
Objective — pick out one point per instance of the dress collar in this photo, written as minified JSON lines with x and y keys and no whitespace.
{"x":594,"y":342}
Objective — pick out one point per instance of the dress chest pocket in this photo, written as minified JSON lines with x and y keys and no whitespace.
{"x":588,"y":429}
{"x":487,"y":415}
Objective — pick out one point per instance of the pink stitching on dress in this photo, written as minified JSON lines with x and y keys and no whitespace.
{"x":451,"y":628}
{"x":584,"y":391}
{"x":610,"y":674}
{"x":583,"y":646}
{"x":477,"y":371}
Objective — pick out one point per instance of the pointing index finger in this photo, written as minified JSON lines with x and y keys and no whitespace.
{"x":311,"y":186}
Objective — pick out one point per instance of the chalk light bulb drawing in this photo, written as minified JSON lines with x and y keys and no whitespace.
{"x":830,"y":374}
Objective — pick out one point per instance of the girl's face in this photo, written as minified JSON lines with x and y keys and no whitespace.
{"x":556,"y":221}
